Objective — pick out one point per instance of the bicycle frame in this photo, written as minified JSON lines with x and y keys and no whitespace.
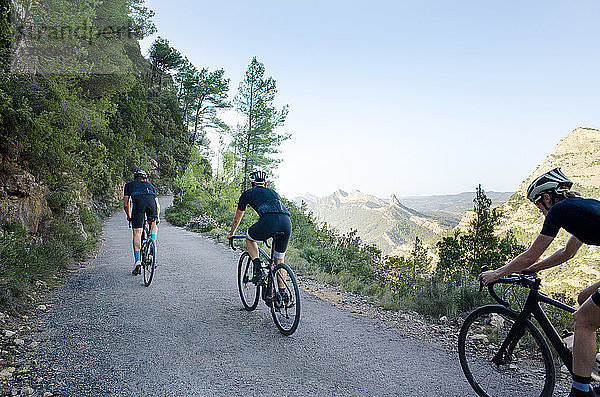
{"x":532,"y":308}
{"x":269,"y":260}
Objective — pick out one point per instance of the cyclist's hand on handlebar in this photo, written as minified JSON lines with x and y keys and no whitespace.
{"x":488,"y":277}
{"x":229,"y":235}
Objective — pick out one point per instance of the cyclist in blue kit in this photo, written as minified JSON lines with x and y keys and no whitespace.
{"x":581,"y":218}
{"x":273,"y":218}
{"x":145,"y":204}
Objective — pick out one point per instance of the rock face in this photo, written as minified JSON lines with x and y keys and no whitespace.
{"x":22,"y":198}
{"x":577,"y":155}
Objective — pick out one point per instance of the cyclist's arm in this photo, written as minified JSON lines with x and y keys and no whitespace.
{"x":236,"y":222}
{"x":560,"y":256}
{"x":521,"y":262}
{"x":157,"y":210}
{"x":587,"y":292}
{"x":126,"y":206}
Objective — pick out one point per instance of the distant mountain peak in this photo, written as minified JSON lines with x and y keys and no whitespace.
{"x":340,"y":192}
{"x":394,"y":200}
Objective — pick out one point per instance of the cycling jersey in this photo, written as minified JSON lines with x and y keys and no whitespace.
{"x":578,"y":216}
{"x":142,"y":195}
{"x":263,"y":200}
{"x":138,"y":188}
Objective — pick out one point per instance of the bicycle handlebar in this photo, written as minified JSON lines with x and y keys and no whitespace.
{"x":525,"y":278}
{"x":231,"y":241}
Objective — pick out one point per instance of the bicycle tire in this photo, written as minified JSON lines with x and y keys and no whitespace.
{"x":286,"y":315}
{"x":245,"y":286}
{"x":149,"y":261}
{"x":480,"y":337}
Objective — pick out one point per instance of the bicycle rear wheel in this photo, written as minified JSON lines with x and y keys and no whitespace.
{"x":285,"y":308}
{"x":526,"y":369}
{"x":149,"y":261}
{"x":249,"y":293}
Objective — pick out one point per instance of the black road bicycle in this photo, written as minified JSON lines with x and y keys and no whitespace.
{"x":503,"y":353}
{"x":285,"y":308}
{"x":148,"y":252}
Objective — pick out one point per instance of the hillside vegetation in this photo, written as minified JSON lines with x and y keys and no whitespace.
{"x":73,"y":130}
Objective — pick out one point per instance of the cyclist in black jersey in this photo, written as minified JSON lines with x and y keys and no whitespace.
{"x":273,"y":217}
{"x":145,"y":204}
{"x":581,"y":218}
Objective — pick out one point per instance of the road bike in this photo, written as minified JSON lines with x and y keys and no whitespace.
{"x":285,"y":308}
{"x":148,"y":254}
{"x":502,"y":352}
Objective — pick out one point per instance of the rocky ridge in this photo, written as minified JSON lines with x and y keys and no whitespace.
{"x":577,"y":155}
{"x":389,"y":224}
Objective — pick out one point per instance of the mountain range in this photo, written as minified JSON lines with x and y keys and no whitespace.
{"x":393,"y":224}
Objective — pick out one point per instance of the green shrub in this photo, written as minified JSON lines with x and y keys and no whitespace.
{"x":58,"y":201}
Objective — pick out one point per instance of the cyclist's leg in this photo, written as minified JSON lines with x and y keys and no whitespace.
{"x":137,"y":241}
{"x":137,"y":222}
{"x":151,"y":215}
{"x":256,"y":232}
{"x":251,"y":247}
{"x":587,"y":321}
{"x":280,"y":246}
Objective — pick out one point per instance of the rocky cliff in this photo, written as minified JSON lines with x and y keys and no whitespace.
{"x":579,"y":157}
{"x":22,"y":198}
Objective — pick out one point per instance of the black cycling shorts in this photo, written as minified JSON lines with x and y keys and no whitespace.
{"x":596,"y":298}
{"x":267,"y":225}
{"x":143,"y":205}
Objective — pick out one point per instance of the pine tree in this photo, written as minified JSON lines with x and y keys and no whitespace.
{"x":257,"y":141}
{"x":163,"y":59}
{"x":419,"y":259}
{"x":480,"y":242}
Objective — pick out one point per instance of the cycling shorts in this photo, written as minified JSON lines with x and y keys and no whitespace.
{"x":143,"y":205}
{"x":269,"y":224}
{"x":596,"y":298}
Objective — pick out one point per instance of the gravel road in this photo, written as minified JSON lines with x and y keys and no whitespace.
{"x":187,"y":335}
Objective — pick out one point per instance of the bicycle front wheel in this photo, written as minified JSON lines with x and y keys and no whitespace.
{"x":524,"y":368}
{"x":149,"y":261}
{"x":249,"y":293}
{"x":285,"y":307}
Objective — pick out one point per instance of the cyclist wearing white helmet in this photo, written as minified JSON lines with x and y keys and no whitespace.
{"x":145,"y":204}
{"x":273,"y":217}
{"x":581,"y":218}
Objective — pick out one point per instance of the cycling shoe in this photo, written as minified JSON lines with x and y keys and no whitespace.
{"x":137,"y":269}
{"x":578,"y":393}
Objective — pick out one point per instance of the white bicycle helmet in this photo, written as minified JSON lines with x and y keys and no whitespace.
{"x":257,"y":175}
{"x":552,"y":181}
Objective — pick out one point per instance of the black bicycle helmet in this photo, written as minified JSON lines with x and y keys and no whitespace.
{"x":140,"y":174}
{"x":553,"y":181}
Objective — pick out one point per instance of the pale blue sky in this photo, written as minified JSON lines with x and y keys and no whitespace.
{"x":406,"y":97}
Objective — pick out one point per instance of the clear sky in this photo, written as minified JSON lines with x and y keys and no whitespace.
{"x":406,"y":97}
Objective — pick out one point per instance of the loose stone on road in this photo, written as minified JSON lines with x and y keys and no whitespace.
{"x":188,"y":335}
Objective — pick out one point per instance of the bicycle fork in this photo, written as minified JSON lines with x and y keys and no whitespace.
{"x":504,"y":354}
